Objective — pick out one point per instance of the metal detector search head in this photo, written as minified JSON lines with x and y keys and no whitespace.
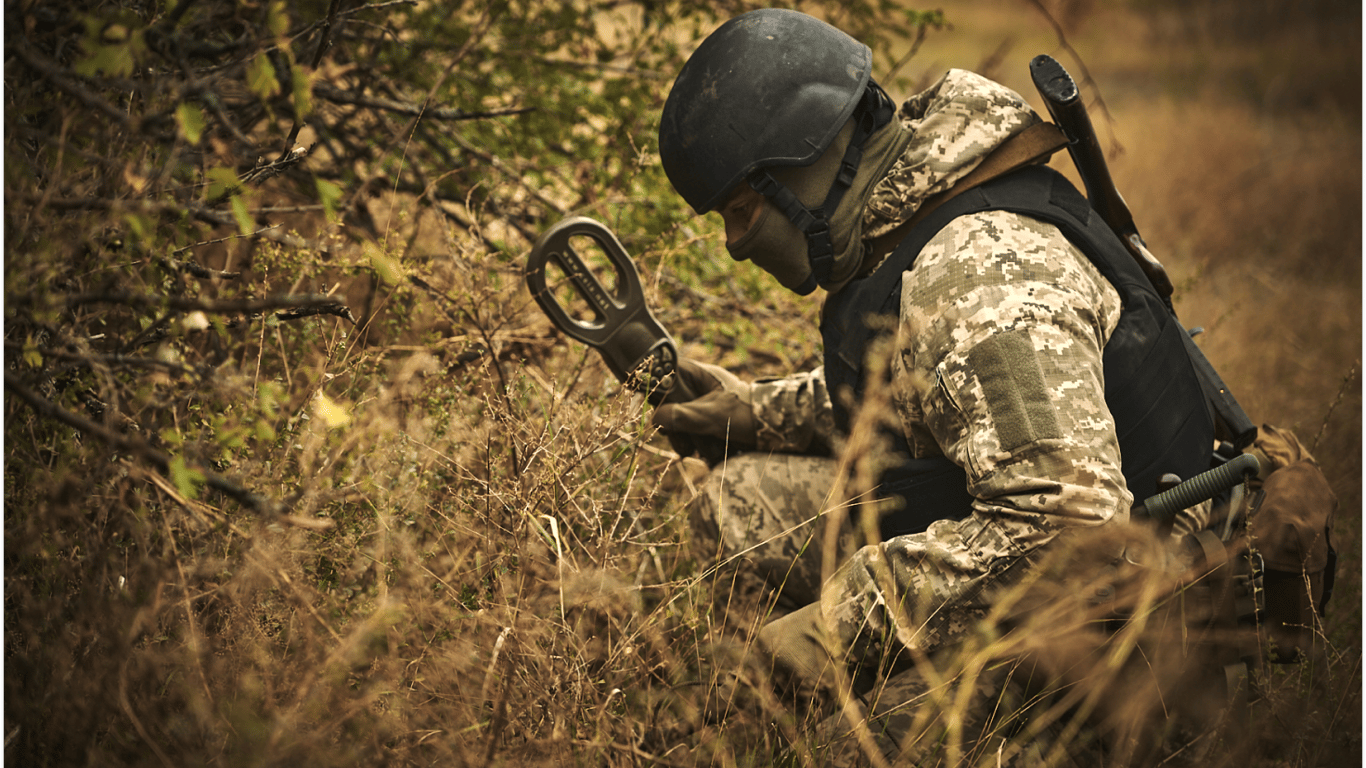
{"x":639,"y":352}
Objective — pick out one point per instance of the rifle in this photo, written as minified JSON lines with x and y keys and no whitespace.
{"x":1064,"y":103}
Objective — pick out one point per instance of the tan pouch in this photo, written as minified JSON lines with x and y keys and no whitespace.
{"x":1291,"y":530}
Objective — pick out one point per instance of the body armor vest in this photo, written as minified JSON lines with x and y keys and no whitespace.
{"x":1162,"y":418}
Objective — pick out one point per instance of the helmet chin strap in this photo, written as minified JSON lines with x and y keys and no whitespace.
{"x":874,"y":110}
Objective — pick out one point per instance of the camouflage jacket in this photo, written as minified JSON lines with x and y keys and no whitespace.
{"x":997,"y":360}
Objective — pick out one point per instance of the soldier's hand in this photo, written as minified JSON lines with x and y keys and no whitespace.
{"x":698,"y":379}
{"x":720,"y":408}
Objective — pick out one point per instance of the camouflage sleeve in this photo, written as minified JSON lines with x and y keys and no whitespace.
{"x":793,"y":414}
{"x":999,"y":368}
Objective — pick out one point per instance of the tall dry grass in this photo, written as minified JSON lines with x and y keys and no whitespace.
{"x":488,"y":559}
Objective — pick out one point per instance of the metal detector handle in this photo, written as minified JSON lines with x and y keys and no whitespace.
{"x":636,"y":348}
{"x":1164,"y":506}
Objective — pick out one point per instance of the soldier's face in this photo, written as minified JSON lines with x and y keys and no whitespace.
{"x":757,"y":231}
{"x":740,"y":212}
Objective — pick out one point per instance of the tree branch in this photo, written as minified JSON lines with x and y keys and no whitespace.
{"x":338,"y":96}
{"x":58,"y":76}
{"x":233,"y":490}
{"x":317,"y":303}
{"x":92,"y":358}
{"x":176,"y":266}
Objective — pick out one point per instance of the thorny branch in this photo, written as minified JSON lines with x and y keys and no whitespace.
{"x":230,"y":488}
{"x":176,"y":266}
{"x":302,"y":305}
{"x":339,"y":96}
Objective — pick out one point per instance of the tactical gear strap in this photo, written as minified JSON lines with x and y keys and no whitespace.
{"x":873,"y":112}
{"x":1144,"y":360}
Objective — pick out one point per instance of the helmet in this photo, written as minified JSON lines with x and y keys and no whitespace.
{"x":770,"y":87}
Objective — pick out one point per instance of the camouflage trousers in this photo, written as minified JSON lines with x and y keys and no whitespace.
{"x":767,"y":528}
{"x":764,"y":524}
{"x":774,"y":538}
{"x":869,"y":659}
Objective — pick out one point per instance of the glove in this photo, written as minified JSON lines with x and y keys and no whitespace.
{"x":720,"y":408}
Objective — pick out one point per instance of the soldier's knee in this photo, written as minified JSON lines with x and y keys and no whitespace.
{"x":856,"y":572}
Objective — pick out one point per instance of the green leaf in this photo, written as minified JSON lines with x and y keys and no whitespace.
{"x":239,"y":211}
{"x":222,"y":182}
{"x":32,"y":356}
{"x":389,"y":269}
{"x":261,"y":78}
{"x":171,"y":436}
{"x":329,"y":194}
{"x":303,"y":91}
{"x":188,"y":481}
{"x":332,"y":413}
{"x":140,"y":226}
{"x":190,"y":120}
{"x":112,"y":60}
{"x":276,"y":18}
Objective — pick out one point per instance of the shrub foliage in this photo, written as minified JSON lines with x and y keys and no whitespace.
{"x":294,"y":471}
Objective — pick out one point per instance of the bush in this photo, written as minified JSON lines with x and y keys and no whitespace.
{"x":294,"y":469}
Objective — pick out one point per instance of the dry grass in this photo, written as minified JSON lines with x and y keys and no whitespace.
{"x":488,"y":561}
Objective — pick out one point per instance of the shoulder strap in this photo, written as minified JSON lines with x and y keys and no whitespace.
{"x":845,"y":312}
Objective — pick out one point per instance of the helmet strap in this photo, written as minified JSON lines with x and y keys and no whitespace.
{"x":874,"y":110}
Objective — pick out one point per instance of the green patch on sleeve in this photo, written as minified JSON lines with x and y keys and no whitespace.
{"x":1013,"y":386}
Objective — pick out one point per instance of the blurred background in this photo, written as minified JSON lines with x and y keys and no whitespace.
{"x":296,"y":471}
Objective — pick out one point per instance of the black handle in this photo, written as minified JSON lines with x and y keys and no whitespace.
{"x":1206,"y":485}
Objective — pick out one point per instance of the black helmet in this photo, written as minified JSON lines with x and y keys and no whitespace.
{"x":768,"y":88}
{"x":772,"y":88}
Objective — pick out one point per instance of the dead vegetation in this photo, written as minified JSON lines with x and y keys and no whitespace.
{"x":296,"y":472}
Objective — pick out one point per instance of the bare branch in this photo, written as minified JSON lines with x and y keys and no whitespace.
{"x":162,"y":331}
{"x":264,"y":170}
{"x":338,"y":96}
{"x":91,"y":358}
{"x":324,"y":42}
{"x":177,"y":266}
{"x":58,"y":76}
{"x":318,"y":302}
{"x":230,"y":488}
{"x":207,"y":215}
{"x":222,"y":219}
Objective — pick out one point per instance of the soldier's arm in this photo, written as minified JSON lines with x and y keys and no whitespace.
{"x":793,"y":414}
{"x":1009,"y":326}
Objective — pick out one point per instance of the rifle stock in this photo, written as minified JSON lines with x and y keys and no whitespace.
{"x":1065,"y":105}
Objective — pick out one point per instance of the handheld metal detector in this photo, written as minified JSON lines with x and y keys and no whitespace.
{"x":636,"y":348}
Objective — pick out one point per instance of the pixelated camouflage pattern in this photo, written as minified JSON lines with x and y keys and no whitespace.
{"x":956,"y":123}
{"x":997,"y":365}
{"x":761,"y":521}
{"x":793,"y":415}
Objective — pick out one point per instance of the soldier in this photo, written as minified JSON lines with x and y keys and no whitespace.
{"x":1012,"y":352}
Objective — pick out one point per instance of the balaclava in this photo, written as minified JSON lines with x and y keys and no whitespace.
{"x":777,"y":246}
